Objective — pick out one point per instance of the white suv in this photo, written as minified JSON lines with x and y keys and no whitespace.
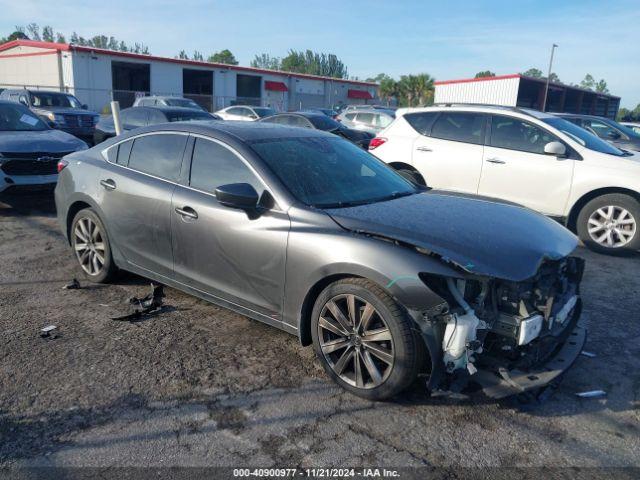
{"x":531,"y":158}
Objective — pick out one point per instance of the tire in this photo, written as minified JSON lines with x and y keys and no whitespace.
{"x":413,"y":176}
{"x":98,"y":250}
{"x":395,"y":354}
{"x":614,"y":220}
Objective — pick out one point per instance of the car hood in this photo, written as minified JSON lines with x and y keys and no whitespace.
{"x":64,"y":111}
{"x":483,"y":236}
{"x":49,"y":141}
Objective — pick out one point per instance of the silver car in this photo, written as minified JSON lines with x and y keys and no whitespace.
{"x":368,"y":120}
{"x":305,"y":231}
{"x":167,"y":101}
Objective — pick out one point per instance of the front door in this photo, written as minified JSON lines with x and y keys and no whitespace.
{"x":450,"y":158}
{"x":232,"y":254}
{"x":517,"y":169}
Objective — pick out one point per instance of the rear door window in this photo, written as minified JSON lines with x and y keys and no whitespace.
{"x":159,"y":155}
{"x":366,"y":118}
{"x":464,"y":127}
{"x":213,"y":165}
{"x":135,"y":117}
{"x":124,"y":149}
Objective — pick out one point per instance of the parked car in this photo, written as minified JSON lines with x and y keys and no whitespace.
{"x":307,"y":232}
{"x":325,"y":111}
{"x":320,"y":121}
{"x":136,"y":117}
{"x":30,"y":149}
{"x":369,"y":120}
{"x":167,"y":101}
{"x":531,"y":158}
{"x":607,"y":129}
{"x":60,"y":110}
{"x":366,"y":107}
{"x":635,"y":126}
{"x":245,"y":113}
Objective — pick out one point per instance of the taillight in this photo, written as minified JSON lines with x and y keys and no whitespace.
{"x":376,"y":142}
{"x":61,"y":164}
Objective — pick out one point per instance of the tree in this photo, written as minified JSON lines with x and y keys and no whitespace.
{"x":601,"y":86}
{"x":484,"y":74}
{"x":414,"y":90}
{"x":588,"y":82}
{"x":198,"y":56}
{"x":47,"y":34}
{"x":18,"y":34}
{"x":533,"y":72}
{"x":183,"y":55}
{"x":325,"y":64}
{"x":264,"y":60}
{"x":223,"y":56}
{"x":34,"y":31}
{"x":554,"y":78}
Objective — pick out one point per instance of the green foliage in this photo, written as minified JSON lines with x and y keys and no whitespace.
{"x":183,"y":55}
{"x":601,"y":86}
{"x":484,"y":74}
{"x":264,"y":60}
{"x":223,"y":56}
{"x":554,"y":78}
{"x":197,"y":56}
{"x":626,"y":115}
{"x":588,"y":82}
{"x":313,"y":63}
{"x":533,"y":72}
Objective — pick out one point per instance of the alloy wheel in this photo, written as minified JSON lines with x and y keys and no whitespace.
{"x":356,"y":341}
{"x":612,"y":226}
{"x":89,"y":246}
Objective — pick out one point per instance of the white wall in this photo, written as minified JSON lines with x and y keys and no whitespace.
{"x":33,"y":70}
{"x":494,"y":92}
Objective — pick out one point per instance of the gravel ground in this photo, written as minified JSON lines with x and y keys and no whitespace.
{"x":202,"y":386}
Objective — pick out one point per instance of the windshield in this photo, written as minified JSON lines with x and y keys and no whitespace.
{"x":630,"y":132}
{"x":583,"y":137}
{"x":324,"y":123}
{"x":187,"y":116}
{"x":264,"y":112}
{"x":182,"y":102}
{"x":15,"y":118}
{"x":50,"y":99}
{"x":331,"y":172}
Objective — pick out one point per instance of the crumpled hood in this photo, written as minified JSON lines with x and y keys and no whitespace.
{"x":483,"y":236}
{"x":49,"y":141}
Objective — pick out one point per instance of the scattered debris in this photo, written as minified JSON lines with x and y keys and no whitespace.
{"x":72,"y":285}
{"x":147,"y":305}
{"x":50,"y":331}
{"x":588,"y":354}
{"x":592,"y":394}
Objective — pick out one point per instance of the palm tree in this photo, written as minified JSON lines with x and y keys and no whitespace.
{"x":423,"y":89}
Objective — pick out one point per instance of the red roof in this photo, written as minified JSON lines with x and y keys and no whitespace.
{"x":481,"y":79}
{"x":360,"y":94}
{"x":79,"y":48}
{"x":275,"y":86}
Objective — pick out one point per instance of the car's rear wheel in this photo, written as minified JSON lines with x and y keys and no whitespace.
{"x":364,"y":339}
{"x":610,"y":224}
{"x":413,"y":176}
{"x":90,"y":243}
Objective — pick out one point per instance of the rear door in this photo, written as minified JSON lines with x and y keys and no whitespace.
{"x":449,"y":155}
{"x":232,"y":254}
{"x":136,"y":199}
{"x":517,"y":169}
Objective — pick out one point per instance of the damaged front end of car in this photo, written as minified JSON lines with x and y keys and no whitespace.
{"x":503,"y":336}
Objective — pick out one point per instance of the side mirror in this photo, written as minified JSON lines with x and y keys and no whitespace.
{"x":23,"y":100}
{"x":237,"y":195}
{"x":253,"y":116}
{"x":85,"y":107}
{"x":555,"y":148}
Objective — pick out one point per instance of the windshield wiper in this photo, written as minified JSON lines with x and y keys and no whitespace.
{"x":357,"y":203}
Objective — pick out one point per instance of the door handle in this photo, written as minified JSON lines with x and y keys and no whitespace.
{"x":424,"y":149}
{"x":187,"y":212}
{"x":108,"y":184}
{"x":495,"y":160}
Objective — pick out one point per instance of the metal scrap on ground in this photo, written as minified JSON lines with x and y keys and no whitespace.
{"x":72,"y":285}
{"x":592,"y":394}
{"x":147,"y":305}
{"x":49,"y":332}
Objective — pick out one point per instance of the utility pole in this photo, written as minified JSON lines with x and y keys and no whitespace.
{"x":546,"y":88}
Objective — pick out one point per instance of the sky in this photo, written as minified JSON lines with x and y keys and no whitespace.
{"x":447,"y":39}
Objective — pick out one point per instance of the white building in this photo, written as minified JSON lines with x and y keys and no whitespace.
{"x":520,"y":91}
{"x":97,"y":76}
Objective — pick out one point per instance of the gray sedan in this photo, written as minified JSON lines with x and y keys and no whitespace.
{"x":307,"y":232}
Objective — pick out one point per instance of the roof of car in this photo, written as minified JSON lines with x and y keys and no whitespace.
{"x":306,"y":114}
{"x":475,"y":108}
{"x":244,"y":131}
{"x":167,"y":109}
{"x":580,"y":115}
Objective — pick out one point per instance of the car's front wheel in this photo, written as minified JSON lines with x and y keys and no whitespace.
{"x":91,"y":246}
{"x":609,"y":224}
{"x":364,"y":339}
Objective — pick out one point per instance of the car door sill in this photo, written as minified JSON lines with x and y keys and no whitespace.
{"x":247,"y":312}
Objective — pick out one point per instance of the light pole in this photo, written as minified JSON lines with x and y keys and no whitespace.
{"x":546,"y":88}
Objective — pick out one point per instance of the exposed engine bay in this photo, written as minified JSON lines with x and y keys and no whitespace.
{"x":502,"y":326}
